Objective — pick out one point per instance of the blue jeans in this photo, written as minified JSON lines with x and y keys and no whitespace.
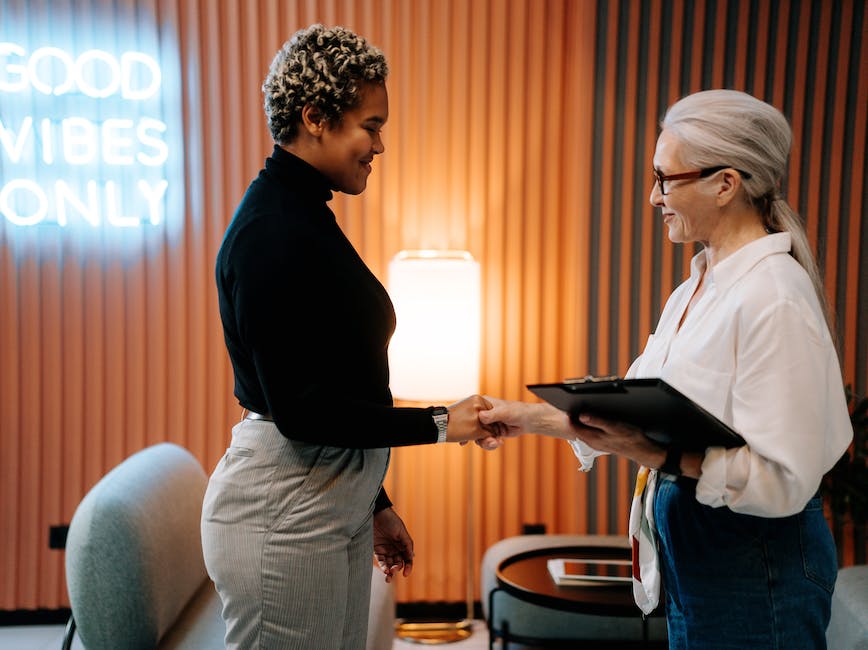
{"x":740,"y":581}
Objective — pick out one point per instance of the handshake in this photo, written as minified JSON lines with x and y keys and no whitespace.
{"x":488,"y":421}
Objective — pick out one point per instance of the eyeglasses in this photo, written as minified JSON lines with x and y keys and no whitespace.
{"x":660,"y":179}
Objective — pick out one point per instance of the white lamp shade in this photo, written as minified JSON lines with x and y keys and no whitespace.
{"x":434,"y":353}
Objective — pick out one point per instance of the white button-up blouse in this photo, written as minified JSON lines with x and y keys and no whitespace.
{"x":756,"y":352}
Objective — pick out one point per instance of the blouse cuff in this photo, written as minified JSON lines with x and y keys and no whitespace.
{"x":586,"y":454}
{"x":711,"y":487}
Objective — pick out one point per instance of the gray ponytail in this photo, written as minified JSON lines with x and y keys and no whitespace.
{"x":782,"y":218}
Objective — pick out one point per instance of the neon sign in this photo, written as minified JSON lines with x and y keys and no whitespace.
{"x":82,"y":138}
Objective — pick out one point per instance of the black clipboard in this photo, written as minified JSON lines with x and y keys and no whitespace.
{"x":665,"y":415}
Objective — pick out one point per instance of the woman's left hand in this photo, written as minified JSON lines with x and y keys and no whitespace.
{"x":618,"y":438}
{"x":393,"y":546}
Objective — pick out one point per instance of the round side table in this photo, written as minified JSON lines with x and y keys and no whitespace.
{"x":525,"y":576}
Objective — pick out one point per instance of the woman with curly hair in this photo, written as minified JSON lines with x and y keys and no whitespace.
{"x":295,"y":507}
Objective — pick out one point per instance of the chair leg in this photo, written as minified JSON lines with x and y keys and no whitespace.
{"x":69,"y":633}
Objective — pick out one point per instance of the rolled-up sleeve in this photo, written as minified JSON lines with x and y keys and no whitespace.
{"x":786,"y":398}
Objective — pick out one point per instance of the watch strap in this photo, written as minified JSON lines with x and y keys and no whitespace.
{"x":440,"y":415}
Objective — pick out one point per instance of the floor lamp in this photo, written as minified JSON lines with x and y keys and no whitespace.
{"x":434,"y":358}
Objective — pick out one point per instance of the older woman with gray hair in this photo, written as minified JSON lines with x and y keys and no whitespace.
{"x":736,"y":536}
{"x":295,"y":507}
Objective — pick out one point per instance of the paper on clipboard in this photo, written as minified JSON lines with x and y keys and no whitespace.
{"x":664,"y":414}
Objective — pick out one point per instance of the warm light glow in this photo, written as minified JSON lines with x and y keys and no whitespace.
{"x":434,"y":354}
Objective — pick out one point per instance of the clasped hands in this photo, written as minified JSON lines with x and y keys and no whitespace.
{"x":488,"y":421}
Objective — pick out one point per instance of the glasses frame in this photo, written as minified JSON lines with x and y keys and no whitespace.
{"x":659,"y":178}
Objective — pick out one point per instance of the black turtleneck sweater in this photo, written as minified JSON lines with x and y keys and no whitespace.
{"x":306,"y":323}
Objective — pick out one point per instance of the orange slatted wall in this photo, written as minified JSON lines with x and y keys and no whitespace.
{"x":520,"y":130}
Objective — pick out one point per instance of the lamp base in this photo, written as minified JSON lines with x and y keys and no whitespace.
{"x":435,"y":633}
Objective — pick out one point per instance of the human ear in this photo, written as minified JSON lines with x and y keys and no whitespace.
{"x":313,"y":120}
{"x":727,"y":188}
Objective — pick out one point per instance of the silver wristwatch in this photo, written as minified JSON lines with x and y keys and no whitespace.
{"x":441,"y":420}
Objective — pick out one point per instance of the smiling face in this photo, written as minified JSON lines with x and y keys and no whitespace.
{"x":689,"y":207}
{"x":348,"y":147}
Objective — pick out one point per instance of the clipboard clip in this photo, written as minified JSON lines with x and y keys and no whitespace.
{"x":590,"y":379}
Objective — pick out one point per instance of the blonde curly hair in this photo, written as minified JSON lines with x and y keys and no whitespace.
{"x":321,"y":66}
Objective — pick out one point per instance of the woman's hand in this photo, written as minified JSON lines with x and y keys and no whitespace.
{"x":618,"y":438}
{"x":517,"y":418}
{"x":393,"y":546}
{"x":465,"y":424}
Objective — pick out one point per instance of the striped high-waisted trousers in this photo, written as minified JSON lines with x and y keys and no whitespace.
{"x":287,"y":538}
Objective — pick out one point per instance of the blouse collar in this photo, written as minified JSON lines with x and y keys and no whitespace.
{"x":727,"y":272}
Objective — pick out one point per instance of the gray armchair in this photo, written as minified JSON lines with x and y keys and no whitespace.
{"x":134,"y":566}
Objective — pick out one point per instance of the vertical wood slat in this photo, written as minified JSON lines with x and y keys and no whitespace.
{"x":30,"y":426}
{"x":10,"y":478}
{"x":511,"y":227}
{"x":550,"y":337}
{"x":856,"y":315}
{"x":102,"y":354}
{"x":51,"y":372}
